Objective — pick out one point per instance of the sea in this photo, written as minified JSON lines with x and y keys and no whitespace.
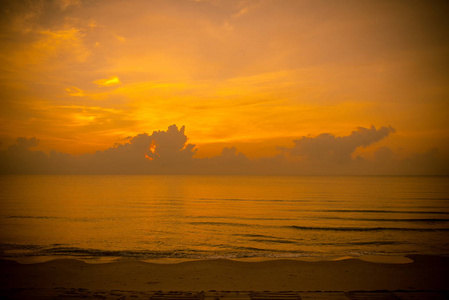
{"x":102,"y":218}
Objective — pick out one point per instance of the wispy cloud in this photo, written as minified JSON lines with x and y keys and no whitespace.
{"x":240,"y":13}
{"x":64,"y":4}
{"x":119,"y":38}
{"x":114,"y":80}
{"x":75,"y":92}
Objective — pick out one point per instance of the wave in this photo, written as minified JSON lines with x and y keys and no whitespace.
{"x":242,"y":218}
{"x":86,"y":253}
{"x":80,"y":219}
{"x":384,"y":211}
{"x":252,"y":200}
{"x":32,"y":217}
{"x":119,"y":253}
{"x":389,"y":220}
{"x":274,"y":241}
{"x":365,"y":243}
{"x":266,"y":219}
{"x":377,"y":243}
{"x":251,"y":235}
{"x":54,"y":250}
{"x":224,"y":224}
{"x":365,"y":229}
{"x":8,"y":246}
{"x":318,"y":228}
{"x":428,"y":198}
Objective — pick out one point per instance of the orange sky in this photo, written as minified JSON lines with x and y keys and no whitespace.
{"x":84,"y":75}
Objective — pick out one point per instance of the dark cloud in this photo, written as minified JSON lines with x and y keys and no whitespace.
{"x":230,"y":161}
{"x":329,"y":148}
{"x":170,"y":145}
{"x":18,"y":158}
{"x":24,"y":143}
{"x":168,"y":152}
{"x":160,"y":152}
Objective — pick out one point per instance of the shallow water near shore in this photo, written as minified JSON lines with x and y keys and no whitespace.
{"x":105,"y":218}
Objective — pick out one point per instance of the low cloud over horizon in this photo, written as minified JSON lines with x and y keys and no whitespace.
{"x":168,"y":152}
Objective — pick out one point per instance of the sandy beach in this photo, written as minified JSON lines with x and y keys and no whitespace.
{"x":425,"y":277}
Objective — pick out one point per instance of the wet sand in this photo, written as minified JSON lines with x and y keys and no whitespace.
{"x":426,"y":277}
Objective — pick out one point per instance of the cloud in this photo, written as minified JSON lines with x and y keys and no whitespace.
{"x":161,"y":152}
{"x":67,"y":43}
{"x":119,"y":38}
{"x":328,"y":148}
{"x":230,"y":161}
{"x":64,"y":4}
{"x":18,"y":158}
{"x":240,"y":13}
{"x":75,"y":92}
{"x":170,"y":145}
{"x":25,"y":143}
{"x":168,"y":152}
{"x":108,"y":82}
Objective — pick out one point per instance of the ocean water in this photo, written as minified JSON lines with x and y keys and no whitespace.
{"x":152,"y":217}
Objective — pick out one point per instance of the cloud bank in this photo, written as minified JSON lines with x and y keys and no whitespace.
{"x":328,"y":148}
{"x":168,"y":152}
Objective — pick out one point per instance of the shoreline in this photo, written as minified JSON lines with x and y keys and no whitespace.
{"x":424,"y":273}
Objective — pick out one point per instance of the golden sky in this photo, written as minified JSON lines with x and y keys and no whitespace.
{"x":84,"y":75}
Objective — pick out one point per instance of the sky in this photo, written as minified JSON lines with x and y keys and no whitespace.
{"x":266,"y":81}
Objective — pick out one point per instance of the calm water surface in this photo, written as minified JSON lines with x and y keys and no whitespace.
{"x":148,"y":217}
